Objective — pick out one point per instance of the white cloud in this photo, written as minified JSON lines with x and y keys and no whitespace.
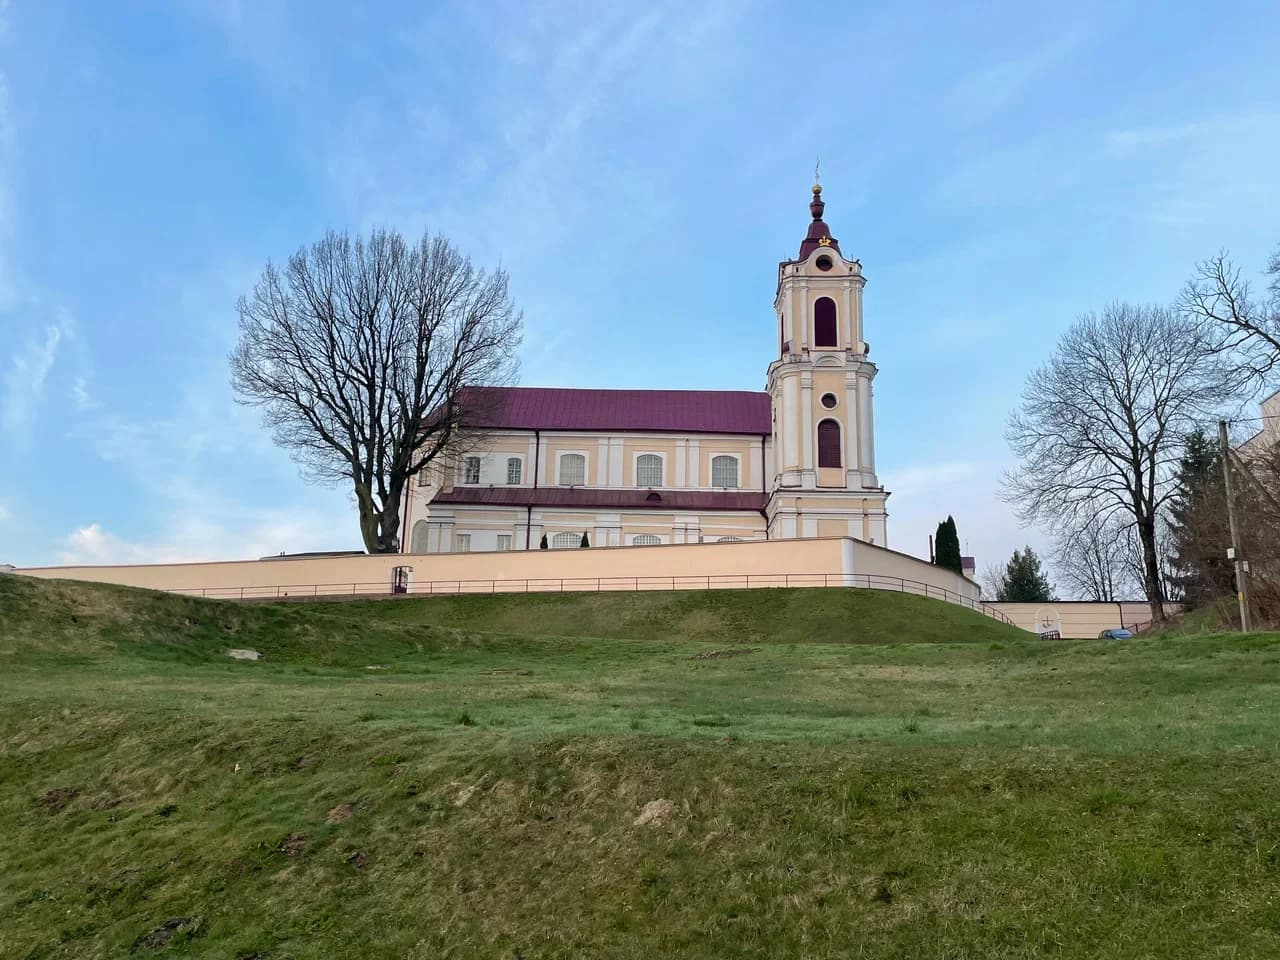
{"x":4,"y":513}
{"x":925,"y":494}
{"x":25,"y":378}
{"x":194,"y":536}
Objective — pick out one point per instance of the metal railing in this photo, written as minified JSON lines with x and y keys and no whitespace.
{"x":428,"y":588}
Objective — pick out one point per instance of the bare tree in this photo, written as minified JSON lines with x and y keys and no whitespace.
{"x":357,"y":352}
{"x":1095,"y":559}
{"x":1237,"y":322}
{"x":1100,"y":425}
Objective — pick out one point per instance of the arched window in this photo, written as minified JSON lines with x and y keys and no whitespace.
{"x":573,"y":469}
{"x":728,"y":539}
{"x":563,"y":540}
{"x":648,"y":470}
{"x":645,"y":540}
{"x":513,"y":470}
{"x":829,"y":444}
{"x":418,"y":542}
{"x":824,"y":322}
{"x":724,"y":471}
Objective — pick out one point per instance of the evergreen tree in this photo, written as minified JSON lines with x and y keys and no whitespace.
{"x":542,"y":544}
{"x":585,"y":542}
{"x":946,"y":546}
{"x":1024,"y":580}
{"x":1198,"y":523}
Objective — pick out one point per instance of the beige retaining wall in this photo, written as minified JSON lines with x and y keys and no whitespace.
{"x":833,"y":561}
{"x":1079,"y":618}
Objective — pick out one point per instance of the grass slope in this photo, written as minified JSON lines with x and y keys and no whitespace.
{"x":840,"y":782}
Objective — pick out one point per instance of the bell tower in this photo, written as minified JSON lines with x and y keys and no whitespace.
{"x":820,"y":385}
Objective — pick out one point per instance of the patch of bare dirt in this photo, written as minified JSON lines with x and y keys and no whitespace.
{"x":358,"y":860}
{"x":304,"y":761}
{"x":340,"y":813}
{"x":57,"y":799}
{"x":656,"y":813}
{"x":721,"y":654}
{"x":159,"y":938}
{"x":295,"y":844}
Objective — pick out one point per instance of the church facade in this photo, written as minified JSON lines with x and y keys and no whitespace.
{"x":647,"y":467}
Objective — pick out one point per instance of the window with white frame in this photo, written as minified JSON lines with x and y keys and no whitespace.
{"x":423,"y":479}
{"x":724,"y":471}
{"x":648,"y":470}
{"x":504,"y":541}
{"x":513,"y":470}
{"x":645,"y":540}
{"x":573,"y":469}
{"x":462,"y":543}
{"x":728,"y":539}
{"x":562,"y":540}
{"x":472,"y":474}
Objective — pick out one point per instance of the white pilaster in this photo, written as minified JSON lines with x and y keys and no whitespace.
{"x":615,"y":462}
{"x":806,"y":418}
{"x":680,"y":464}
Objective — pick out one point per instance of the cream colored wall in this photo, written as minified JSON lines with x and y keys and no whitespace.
{"x":1079,"y":619}
{"x":1269,"y":434}
{"x":833,"y":561}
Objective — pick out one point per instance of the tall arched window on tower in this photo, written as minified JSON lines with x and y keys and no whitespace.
{"x":829,"y":444}
{"x":824,"y":322}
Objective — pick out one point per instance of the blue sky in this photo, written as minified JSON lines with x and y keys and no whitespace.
{"x":638,"y":168}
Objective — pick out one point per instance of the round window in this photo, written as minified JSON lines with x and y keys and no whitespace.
{"x":823,"y":262}
{"x":829,"y":400}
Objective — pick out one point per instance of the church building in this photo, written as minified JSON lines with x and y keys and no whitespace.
{"x":646,"y":467}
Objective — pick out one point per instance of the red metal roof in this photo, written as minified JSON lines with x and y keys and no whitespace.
{"x":563,"y":408}
{"x":605,"y":499}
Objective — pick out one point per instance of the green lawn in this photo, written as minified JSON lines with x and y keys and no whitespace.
{"x":849,"y":774}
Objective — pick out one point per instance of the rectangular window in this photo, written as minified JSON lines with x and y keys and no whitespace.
{"x":573,"y":469}
{"x":724,"y":471}
{"x":513,"y":471}
{"x":504,"y":541}
{"x":462,"y":543}
{"x":473,"y":470}
{"x":423,"y":479}
{"x":648,"y":470}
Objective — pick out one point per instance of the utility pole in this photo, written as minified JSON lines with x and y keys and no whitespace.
{"x":1235,"y":554}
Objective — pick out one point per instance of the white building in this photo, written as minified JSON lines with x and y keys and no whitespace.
{"x":635,"y":467}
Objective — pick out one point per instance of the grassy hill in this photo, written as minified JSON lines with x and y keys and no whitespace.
{"x":807,"y":773}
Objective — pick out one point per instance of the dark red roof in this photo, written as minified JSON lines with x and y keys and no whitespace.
{"x":607,"y":499}
{"x":563,"y":408}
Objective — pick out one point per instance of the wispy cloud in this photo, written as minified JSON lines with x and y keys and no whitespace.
{"x":987,"y":92}
{"x":925,"y":493}
{"x":194,"y":537}
{"x":24,"y":379}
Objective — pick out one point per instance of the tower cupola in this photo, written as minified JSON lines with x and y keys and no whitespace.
{"x":819,"y":234}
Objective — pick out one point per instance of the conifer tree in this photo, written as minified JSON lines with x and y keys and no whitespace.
{"x":1024,"y":580}
{"x":1198,"y":523}
{"x":542,"y":544}
{"x":947,"y":546}
{"x":585,"y":542}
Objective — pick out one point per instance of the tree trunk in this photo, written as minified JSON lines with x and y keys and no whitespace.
{"x":380,"y":529}
{"x":1151,"y":568}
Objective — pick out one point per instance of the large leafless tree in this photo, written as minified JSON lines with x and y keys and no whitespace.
{"x":1238,"y":321}
{"x":357,"y":350}
{"x":1094,"y":559}
{"x":1099,"y":426}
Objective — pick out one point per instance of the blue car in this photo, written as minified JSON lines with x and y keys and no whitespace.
{"x":1120,"y":634}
